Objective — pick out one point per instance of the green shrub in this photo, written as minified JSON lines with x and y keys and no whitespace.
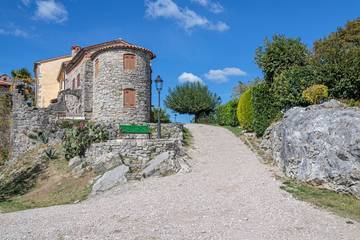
{"x":78,"y":139}
{"x":316,"y":94}
{"x":226,"y":114}
{"x":245,"y":110}
{"x":265,"y":108}
{"x":289,"y":85}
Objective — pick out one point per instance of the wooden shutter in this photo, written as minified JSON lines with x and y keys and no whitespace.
{"x":129,"y":98}
{"x":96,"y":67}
{"x":78,"y":80}
{"x":73,"y":83}
{"x":129,"y":61}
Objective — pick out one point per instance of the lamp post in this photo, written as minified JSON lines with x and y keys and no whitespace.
{"x":159,"y":86}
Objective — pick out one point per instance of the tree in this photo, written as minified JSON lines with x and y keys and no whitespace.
{"x":279,"y":55}
{"x":24,"y":84}
{"x":192,"y":98}
{"x":241,"y":87}
{"x":289,"y":85}
{"x":21,"y":74}
{"x":164,"y":116}
{"x":337,"y":61}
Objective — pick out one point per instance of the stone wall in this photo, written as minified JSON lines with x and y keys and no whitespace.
{"x":108,"y":102}
{"x":168,"y":130}
{"x":135,"y":153}
{"x":28,"y":122}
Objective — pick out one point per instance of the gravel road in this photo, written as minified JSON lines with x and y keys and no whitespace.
{"x":228,"y":195}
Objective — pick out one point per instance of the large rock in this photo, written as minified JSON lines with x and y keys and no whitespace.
{"x":319,"y":144}
{"x":110,"y":179}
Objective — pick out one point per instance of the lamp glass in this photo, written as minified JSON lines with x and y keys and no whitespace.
{"x":159,"y":83}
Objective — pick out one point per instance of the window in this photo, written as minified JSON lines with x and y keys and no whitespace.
{"x":96,"y":67}
{"x":129,"y":98}
{"x":73,"y":83}
{"x":129,"y":61}
{"x":78,"y":80}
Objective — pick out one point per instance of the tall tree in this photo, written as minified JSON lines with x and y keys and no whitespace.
{"x":25,"y":84}
{"x":192,"y":98}
{"x":280,"y":54}
{"x":337,"y":61}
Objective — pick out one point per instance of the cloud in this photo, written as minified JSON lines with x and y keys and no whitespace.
{"x":51,"y":11}
{"x":15,"y":31}
{"x":222,"y":75}
{"x":26,"y":2}
{"x":214,"y":7}
{"x":185,"y":17}
{"x":189,"y":77}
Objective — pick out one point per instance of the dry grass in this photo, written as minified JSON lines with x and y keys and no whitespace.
{"x":54,"y":187}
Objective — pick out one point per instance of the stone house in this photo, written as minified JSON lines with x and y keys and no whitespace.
{"x":107,"y":82}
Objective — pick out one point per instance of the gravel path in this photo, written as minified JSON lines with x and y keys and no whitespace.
{"x":228,"y":195}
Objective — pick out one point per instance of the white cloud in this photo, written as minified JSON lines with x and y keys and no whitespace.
{"x":50,"y":10}
{"x":214,"y":7}
{"x":16,"y":32}
{"x":222,"y":75}
{"x":26,"y":2}
{"x":189,"y":77}
{"x":185,"y":17}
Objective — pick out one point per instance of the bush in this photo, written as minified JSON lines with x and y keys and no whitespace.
{"x":289,"y":85}
{"x":265,"y":108}
{"x":245,"y":110}
{"x":280,"y":54}
{"x":226,"y":114}
{"x":78,"y":139}
{"x":316,"y":94}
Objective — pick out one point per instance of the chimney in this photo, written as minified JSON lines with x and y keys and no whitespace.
{"x":74,"y":50}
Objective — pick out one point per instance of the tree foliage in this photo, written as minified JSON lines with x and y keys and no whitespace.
{"x":24,"y":84}
{"x":280,"y":54}
{"x":226,"y":114}
{"x":289,"y":85}
{"x":337,"y":61}
{"x":245,"y":111}
{"x":192,"y":98}
{"x":164,"y":116}
{"x":316,"y":94}
{"x":266,"y":110}
{"x":241,"y":87}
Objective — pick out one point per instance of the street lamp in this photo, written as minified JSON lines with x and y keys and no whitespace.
{"x":159,"y":85}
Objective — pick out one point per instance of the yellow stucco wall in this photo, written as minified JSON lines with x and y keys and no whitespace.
{"x":46,"y":74}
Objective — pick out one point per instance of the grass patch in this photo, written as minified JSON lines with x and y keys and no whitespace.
{"x":238,"y":131}
{"x":187,"y":137}
{"x":341,"y":204}
{"x":55,"y":186}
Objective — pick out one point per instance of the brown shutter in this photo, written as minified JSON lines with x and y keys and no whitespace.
{"x":96,"y":67}
{"x":129,"y":98}
{"x":129,"y":61}
{"x":78,"y":80}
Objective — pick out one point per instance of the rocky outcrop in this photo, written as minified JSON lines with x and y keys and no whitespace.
{"x":318,"y":144}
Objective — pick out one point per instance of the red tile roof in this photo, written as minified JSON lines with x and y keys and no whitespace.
{"x":3,"y":83}
{"x":101,"y":47}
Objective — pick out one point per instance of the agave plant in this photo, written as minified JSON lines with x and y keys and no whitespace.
{"x":79,"y":138}
{"x":50,"y":153}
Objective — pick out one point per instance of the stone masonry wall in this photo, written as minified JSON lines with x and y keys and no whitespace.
{"x":27,"y":122}
{"x":112,"y":80}
{"x":133,"y":153}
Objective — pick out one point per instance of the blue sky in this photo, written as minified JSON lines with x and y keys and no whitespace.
{"x":213,"y":41}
